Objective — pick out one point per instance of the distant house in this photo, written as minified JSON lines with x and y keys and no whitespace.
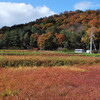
{"x":79,"y":50}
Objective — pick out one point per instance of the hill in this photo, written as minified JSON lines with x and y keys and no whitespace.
{"x":68,"y":30}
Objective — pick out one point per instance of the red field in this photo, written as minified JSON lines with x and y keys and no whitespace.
{"x":55,"y":83}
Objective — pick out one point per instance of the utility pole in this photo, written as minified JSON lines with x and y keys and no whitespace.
{"x":99,"y":47}
{"x":91,"y":37}
{"x":91,"y":41}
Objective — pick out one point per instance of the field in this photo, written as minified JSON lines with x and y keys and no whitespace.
{"x":17,"y":58}
{"x":49,"y":75}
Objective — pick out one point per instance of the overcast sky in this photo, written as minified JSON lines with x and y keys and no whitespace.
{"x":22,"y":11}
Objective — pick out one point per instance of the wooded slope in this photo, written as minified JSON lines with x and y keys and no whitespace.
{"x":68,"y":30}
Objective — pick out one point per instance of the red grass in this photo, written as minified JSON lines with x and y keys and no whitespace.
{"x":50,"y":83}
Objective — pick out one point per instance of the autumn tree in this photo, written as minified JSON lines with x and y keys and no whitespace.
{"x":45,"y":41}
{"x":60,"y":39}
{"x":95,"y":35}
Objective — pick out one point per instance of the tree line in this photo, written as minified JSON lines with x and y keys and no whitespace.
{"x":68,"y":30}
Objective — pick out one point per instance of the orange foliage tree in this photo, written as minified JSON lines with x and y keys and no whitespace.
{"x":60,"y":38}
{"x":45,"y":41}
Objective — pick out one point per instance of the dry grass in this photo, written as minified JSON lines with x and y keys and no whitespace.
{"x":56,"y":83}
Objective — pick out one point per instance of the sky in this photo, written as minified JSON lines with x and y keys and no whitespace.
{"x":13,"y":12}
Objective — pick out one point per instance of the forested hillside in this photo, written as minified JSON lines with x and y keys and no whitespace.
{"x":68,"y":30}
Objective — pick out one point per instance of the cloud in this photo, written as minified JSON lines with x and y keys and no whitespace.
{"x":18,"y":13}
{"x":85,"y":5}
